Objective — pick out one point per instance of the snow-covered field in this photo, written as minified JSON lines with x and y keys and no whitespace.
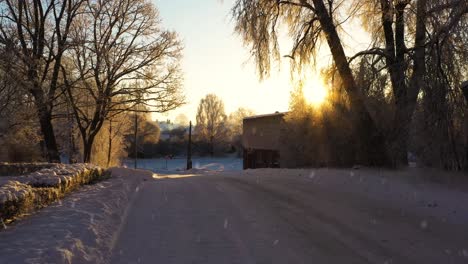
{"x":179,"y":164}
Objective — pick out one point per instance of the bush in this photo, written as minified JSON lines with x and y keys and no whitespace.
{"x":317,"y":136}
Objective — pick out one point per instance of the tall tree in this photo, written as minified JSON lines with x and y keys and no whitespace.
{"x":403,"y":33}
{"x":236,"y":124}
{"x":401,"y":39}
{"x":211,"y":120}
{"x":37,"y":32}
{"x":308,"y":21}
{"x":123,"y":60}
{"x":236,"y":120}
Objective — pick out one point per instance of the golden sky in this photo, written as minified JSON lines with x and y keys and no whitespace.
{"x":215,"y":60}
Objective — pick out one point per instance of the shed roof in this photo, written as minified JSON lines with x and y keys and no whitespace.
{"x":266,"y":115}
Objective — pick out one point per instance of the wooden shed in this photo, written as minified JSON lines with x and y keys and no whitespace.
{"x":261,"y":140}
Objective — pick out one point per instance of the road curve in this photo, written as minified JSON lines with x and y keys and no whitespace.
{"x":221,"y":218}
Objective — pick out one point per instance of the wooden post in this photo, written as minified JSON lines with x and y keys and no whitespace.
{"x":189,"y":148}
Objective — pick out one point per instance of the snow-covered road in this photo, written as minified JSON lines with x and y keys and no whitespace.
{"x":253,"y":216}
{"x":300,"y":216}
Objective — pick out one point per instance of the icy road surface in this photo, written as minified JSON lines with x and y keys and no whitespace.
{"x":298,"y":216}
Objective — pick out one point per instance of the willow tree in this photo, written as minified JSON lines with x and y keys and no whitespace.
{"x":308,"y":23}
{"x":37,"y":33}
{"x":402,"y":31}
{"x":122,"y":60}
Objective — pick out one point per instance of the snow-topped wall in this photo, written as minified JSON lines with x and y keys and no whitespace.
{"x":42,"y":185}
{"x":15,"y":169}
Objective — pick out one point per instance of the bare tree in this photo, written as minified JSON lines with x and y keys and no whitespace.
{"x":8,"y":86}
{"x":236,"y":120}
{"x":181,"y":120}
{"x":122,"y":61}
{"x":211,"y":121}
{"x":37,"y":32}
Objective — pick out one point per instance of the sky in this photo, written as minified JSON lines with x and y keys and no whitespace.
{"x":215,"y":61}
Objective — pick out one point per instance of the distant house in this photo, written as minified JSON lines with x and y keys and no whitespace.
{"x":261,"y":140}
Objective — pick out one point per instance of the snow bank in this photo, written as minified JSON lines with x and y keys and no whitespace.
{"x":35,"y":190}
{"x":14,"y":169}
{"x":81,"y":228}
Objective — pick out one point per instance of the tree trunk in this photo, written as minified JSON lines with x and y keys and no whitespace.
{"x":371,"y":142}
{"x":465,"y":93}
{"x":211,"y":146}
{"x":87,"y":149}
{"x":465,"y":90}
{"x":45,"y":121}
{"x":405,"y":96}
{"x":402,"y":118}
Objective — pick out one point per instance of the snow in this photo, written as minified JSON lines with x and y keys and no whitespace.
{"x":179,"y":164}
{"x":18,"y":187}
{"x":207,"y":216}
{"x":79,"y":229}
{"x":14,"y":190}
{"x":430,"y":192}
{"x":86,"y":225}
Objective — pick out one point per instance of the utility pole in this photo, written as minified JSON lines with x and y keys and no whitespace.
{"x":135,"y":139}
{"x":189,"y":148}
{"x":464,"y":87}
{"x":109,"y":143}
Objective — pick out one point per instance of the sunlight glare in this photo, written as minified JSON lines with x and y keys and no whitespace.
{"x":315,"y":91}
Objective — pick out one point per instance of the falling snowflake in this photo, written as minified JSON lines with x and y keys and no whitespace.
{"x":225,"y":223}
{"x":423,"y":224}
{"x":137,"y":189}
{"x":312,"y":174}
{"x":276,"y":242}
{"x":465,"y":253}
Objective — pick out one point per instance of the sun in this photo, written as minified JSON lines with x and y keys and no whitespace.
{"x":315,"y":92}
